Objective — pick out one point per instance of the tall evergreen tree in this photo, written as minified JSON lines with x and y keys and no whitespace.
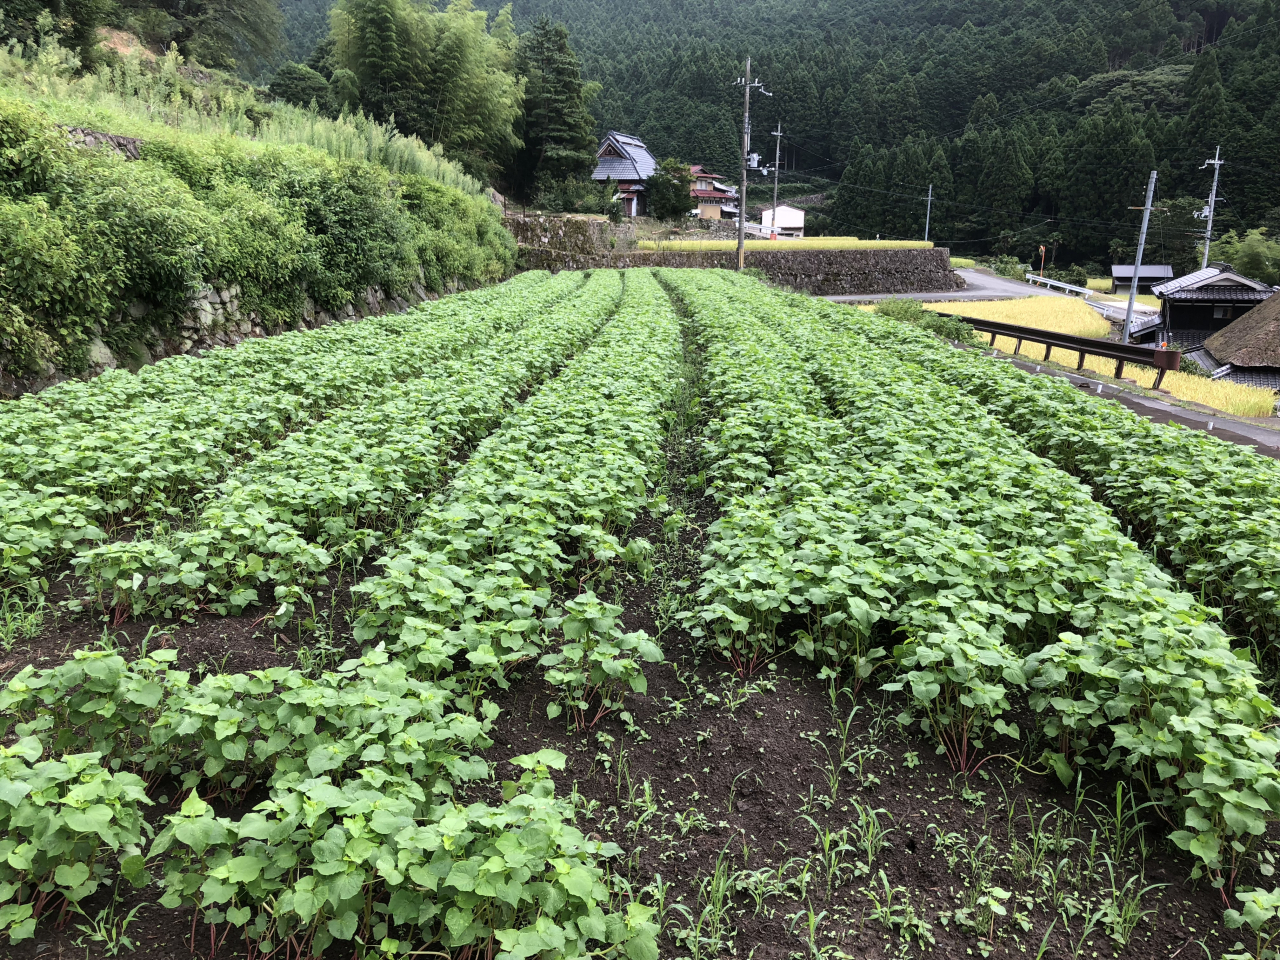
{"x":1110,"y":160}
{"x":557,"y":127}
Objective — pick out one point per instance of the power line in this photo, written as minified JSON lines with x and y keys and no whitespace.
{"x":1082,"y":221}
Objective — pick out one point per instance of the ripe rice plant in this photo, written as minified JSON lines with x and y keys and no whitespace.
{"x":1060,"y":314}
{"x":1235,"y":398}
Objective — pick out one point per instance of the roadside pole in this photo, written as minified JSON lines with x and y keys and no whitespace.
{"x":1213,"y":200}
{"x":1137,"y":265}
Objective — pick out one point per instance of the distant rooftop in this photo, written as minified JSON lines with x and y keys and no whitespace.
{"x":624,"y":158}
{"x":1150,"y":271}
{"x":1217,"y":282}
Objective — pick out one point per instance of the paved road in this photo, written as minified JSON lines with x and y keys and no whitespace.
{"x":979,"y":285}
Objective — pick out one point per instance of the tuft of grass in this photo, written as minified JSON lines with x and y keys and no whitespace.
{"x":805,"y":243}
{"x":21,"y":617}
{"x":1059,"y":314}
{"x":132,"y":101}
{"x":962,"y":263}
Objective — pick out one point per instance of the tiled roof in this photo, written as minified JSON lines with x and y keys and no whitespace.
{"x":1257,"y":377}
{"x":1191,"y":279}
{"x":615,"y":168}
{"x":1219,"y":295}
{"x":1198,"y":280}
{"x":637,"y":163}
{"x":711,"y":194}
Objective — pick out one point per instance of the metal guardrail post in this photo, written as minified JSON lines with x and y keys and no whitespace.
{"x":1161,"y":360}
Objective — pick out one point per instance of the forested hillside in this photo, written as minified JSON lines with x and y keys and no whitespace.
{"x":1019,"y":112}
{"x":1033,"y":122}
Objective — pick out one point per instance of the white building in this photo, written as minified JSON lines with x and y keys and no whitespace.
{"x":790,"y":221}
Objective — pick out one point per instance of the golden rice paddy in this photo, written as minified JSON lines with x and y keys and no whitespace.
{"x":1059,"y":314}
{"x":1064,"y":315}
{"x":1239,"y":399}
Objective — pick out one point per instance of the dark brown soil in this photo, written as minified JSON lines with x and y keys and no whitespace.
{"x":718,"y":789}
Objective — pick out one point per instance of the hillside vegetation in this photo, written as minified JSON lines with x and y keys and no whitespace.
{"x":280,"y":202}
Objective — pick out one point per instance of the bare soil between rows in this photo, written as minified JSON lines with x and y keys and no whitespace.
{"x":734,"y":769}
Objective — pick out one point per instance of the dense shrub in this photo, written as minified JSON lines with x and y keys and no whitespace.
{"x":1006,"y":266}
{"x":83,"y":233}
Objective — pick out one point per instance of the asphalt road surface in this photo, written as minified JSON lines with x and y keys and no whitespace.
{"x":979,"y":286}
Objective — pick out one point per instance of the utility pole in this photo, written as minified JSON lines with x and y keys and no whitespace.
{"x":777,"y":158}
{"x":1137,"y":264}
{"x":746,"y":85}
{"x":928,"y":213}
{"x":1213,"y":199}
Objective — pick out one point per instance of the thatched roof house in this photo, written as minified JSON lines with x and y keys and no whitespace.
{"x":1247,"y":350}
{"x":1251,"y":341}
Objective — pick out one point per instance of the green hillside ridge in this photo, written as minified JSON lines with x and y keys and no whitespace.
{"x":275,"y":200}
{"x":1035,"y":122}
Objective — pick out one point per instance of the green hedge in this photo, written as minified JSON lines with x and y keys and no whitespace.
{"x":85,"y":232}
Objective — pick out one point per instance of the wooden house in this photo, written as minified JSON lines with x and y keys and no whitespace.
{"x":1150,"y":275}
{"x":627,"y":161}
{"x":714,"y":198}
{"x":1194,"y":307}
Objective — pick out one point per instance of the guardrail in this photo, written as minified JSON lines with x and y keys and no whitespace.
{"x":1122,"y":353}
{"x":1035,"y":278}
{"x":1144,"y":317}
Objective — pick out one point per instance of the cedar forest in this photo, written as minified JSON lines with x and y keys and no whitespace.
{"x":1034,"y":123}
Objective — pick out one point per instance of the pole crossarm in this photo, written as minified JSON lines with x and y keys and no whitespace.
{"x":747,"y":85}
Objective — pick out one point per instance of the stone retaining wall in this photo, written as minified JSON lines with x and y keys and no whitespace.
{"x":819,"y":272}
{"x":213,"y":318}
{"x":570,"y":236}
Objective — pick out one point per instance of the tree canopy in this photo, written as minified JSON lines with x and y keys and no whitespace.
{"x":1035,"y":121}
{"x":667,"y":190}
{"x":556,"y":126}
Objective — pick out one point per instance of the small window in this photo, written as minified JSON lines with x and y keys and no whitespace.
{"x":1222,"y":313}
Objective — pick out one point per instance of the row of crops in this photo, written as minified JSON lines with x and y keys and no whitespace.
{"x":913,"y":531}
{"x":363,"y":837}
{"x":904,"y":514}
